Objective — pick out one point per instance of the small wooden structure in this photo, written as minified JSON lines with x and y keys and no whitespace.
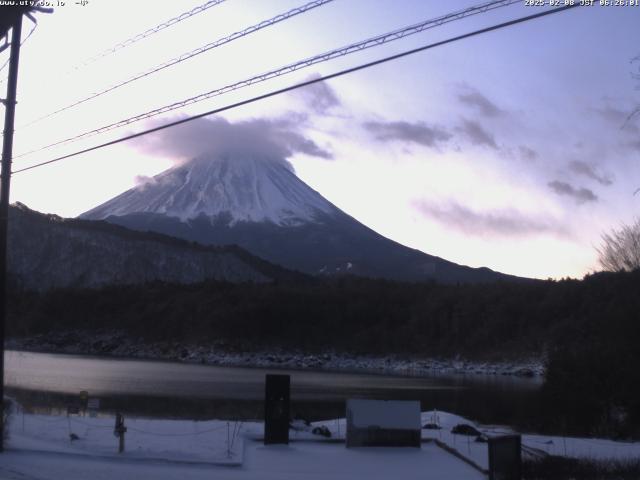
{"x":383,"y":423}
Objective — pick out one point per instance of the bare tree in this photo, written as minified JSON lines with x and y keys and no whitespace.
{"x":620,"y":249}
{"x":635,"y":62}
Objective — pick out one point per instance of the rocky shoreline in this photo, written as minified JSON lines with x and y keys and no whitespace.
{"x":121,"y":345}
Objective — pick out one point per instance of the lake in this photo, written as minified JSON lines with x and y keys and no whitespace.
{"x":48,"y":382}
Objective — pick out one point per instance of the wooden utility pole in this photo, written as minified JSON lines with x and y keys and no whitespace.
{"x":5,"y":182}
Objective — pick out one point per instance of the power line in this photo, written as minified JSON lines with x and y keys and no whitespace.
{"x":306,"y":83}
{"x":323,"y":57}
{"x":186,"y":56}
{"x":6,"y":62}
{"x":150,"y":31}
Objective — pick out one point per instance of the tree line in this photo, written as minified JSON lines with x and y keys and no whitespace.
{"x":588,"y":330}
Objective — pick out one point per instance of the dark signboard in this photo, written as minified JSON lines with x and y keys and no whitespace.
{"x":276,"y":409}
{"x":505,"y":457}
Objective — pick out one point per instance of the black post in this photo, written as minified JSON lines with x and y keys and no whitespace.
{"x":119,"y":431}
{"x":505,"y":457}
{"x":276,"y":409}
{"x":7,"y":152}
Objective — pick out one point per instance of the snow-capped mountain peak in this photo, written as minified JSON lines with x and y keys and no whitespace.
{"x":257,"y":202}
{"x":248,"y":189}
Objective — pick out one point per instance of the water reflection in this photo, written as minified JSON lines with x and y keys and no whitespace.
{"x":47,"y":382}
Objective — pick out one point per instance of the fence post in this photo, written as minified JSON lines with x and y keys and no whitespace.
{"x":119,"y":431}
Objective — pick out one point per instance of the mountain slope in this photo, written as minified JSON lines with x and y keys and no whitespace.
{"x":260,"y":205}
{"x":47,"y":251}
{"x":248,"y":189}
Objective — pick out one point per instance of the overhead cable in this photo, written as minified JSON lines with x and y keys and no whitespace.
{"x":150,"y":31}
{"x":186,"y":56}
{"x":323,"y":57}
{"x":305,"y":84}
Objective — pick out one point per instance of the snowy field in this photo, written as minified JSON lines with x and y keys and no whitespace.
{"x":296,"y":461}
{"x":40,"y":448}
{"x":532,"y":445}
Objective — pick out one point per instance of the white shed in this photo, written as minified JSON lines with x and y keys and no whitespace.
{"x":383,"y":423}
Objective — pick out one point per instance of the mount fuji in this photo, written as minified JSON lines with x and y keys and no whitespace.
{"x":258,"y":203}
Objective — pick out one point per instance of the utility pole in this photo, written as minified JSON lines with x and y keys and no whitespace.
{"x":11,"y":18}
{"x":5,"y":182}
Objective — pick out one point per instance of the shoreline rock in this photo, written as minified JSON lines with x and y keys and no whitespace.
{"x":120,"y":345}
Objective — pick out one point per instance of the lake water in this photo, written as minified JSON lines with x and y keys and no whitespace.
{"x":44,"y":381}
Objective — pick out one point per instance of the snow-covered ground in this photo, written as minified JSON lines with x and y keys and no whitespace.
{"x":295,"y":462}
{"x":40,"y":448}
{"x":117,"y":344}
{"x":169,"y":440}
{"x":532,"y":445}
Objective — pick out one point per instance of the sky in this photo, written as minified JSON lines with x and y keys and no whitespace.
{"x":512,"y":150}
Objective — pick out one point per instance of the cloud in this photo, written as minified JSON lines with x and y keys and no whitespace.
{"x":580,"y":195}
{"x":473,"y":98}
{"x":143,"y":179}
{"x":142,"y":182}
{"x":276,"y":139}
{"x":621,"y":119}
{"x":418,"y":132}
{"x":588,"y":170}
{"x":504,"y":222}
{"x":528,"y":153}
{"x":299,"y":143}
{"x":320,"y":97}
{"x":634,"y":145}
{"x":477,"y":134}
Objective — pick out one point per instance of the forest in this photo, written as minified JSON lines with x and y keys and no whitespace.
{"x":587,"y":330}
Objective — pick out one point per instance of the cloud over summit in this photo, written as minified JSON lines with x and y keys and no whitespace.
{"x":260,"y":138}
